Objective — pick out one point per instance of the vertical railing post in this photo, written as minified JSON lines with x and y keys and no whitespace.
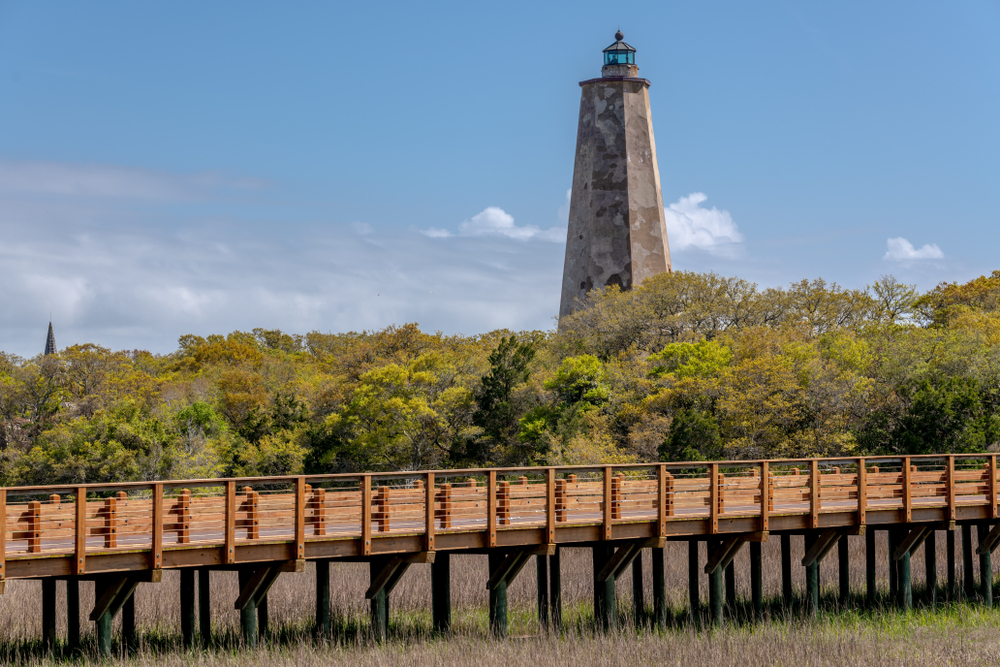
{"x":429,"y":511}
{"x":561,"y":507}
{"x":950,"y":487}
{"x":366,"y":515}
{"x":907,"y":490}
{"x":80,"y":532}
{"x":110,"y":523}
{"x":230,"y":528}
{"x":300,"y":517}
{"x":503,"y":503}
{"x":550,"y":504}
{"x":156,"y":543}
{"x":814,"y":499}
{"x":382,"y":509}
{"x":862,"y":493}
{"x":34,"y":526}
{"x":3,"y":537}
{"x":491,"y":506}
{"x":722,"y":493}
{"x":319,"y":511}
{"x":661,"y":500}
{"x":606,"y":531}
{"x":671,"y":495}
{"x":616,"y":498}
{"x":184,"y":516}
{"x":993,"y":486}
{"x":765,"y":495}
{"x":713,"y":498}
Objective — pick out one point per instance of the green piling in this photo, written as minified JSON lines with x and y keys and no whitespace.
{"x":659,"y":589}
{"x":756,"y":581}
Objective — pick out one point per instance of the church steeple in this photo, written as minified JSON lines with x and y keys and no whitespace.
{"x":50,"y":342}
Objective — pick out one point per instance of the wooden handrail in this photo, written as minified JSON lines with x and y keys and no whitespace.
{"x":545,"y":500}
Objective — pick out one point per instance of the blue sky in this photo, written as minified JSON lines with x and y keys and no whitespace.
{"x":200,"y":168}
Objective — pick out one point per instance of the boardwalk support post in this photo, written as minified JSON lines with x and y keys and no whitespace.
{"x":811,"y":562}
{"x":73,"y":614}
{"x":48,"y":614}
{"x":720,"y":557}
{"x":323,"y":628}
{"x":504,"y":568}
{"x":605,"y":609}
{"x":844,"y":567}
{"x":756,"y":581}
{"x":555,"y":590}
{"x":659,"y":589}
{"x":930,"y":567}
{"x":731,"y":587}
{"x":694,"y":592}
{"x":638,"y":597}
{"x":254,"y":585}
{"x":128,"y":624}
{"x":715,"y":584}
{"x":187,"y":608}
{"x":205,"y":606}
{"x":385,"y":574}
{"x":969,"y":578}
{"x":901,"y":556}
{"x":542,"y":590}
{"x":950,"y":553}
{"x":871,"y":583}
{"x":786,"y":571}
{"x":111,"y":592}
{"x":985,"y":567}
{"x":441,"y":592}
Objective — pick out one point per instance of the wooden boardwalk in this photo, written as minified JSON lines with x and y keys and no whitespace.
{"x":122,"y":534}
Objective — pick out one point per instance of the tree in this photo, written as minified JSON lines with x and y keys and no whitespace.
{"x":497,"y":412}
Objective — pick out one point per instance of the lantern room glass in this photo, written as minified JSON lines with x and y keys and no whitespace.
{"x":619,"y":58}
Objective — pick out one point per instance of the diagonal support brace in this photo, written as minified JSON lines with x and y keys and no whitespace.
{"x":257,"y":586}
{"x":821,"y":547}
{"x":725,"y":554}
{"x":913,"y":540}
{"x":990,"y":542}
{"x":118,"y":591}
{"x":621,"y":559}
{"x":508,"y":569}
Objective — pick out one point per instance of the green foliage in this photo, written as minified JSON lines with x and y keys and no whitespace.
{"x":579,"y":379}
{"x":694,"y":436}
{"x":498,"y":409}
{"x":686,"y":366}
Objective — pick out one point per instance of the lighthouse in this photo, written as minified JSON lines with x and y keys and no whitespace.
{"x":617,"y":234}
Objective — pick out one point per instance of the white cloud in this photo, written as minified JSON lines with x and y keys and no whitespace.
{"x":435,"y":233}
{"x":36,"y":177}
{"x":494,"y":221}
{"x":711,"y":230}
{"x":899,"y":249}
{"x":362,"y":228}
{"x":132,"y":284}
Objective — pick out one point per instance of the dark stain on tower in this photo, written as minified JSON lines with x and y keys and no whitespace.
{"x":617,"y":234}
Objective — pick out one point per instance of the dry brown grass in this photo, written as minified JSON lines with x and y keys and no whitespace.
{"x":833,"y":641}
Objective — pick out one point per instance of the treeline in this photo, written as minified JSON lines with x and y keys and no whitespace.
{"x":687,"y":367}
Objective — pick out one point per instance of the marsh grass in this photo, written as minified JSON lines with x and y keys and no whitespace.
{"x":956,"y":633}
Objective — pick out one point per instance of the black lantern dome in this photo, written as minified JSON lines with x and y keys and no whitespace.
{"x":619,"y":53}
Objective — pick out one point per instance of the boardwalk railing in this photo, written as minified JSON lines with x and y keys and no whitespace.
{"x":59,"y":531}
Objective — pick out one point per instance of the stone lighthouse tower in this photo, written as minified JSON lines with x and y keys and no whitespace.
{"x":617,"y":234}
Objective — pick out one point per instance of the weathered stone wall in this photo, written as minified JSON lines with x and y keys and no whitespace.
{"x":617,"y":234}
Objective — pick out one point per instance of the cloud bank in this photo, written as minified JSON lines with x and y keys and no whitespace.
{"x":494,"y":221}
{"x":117,"y":269}
{"x":899,"y":249}
{"x":691,"y":227}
